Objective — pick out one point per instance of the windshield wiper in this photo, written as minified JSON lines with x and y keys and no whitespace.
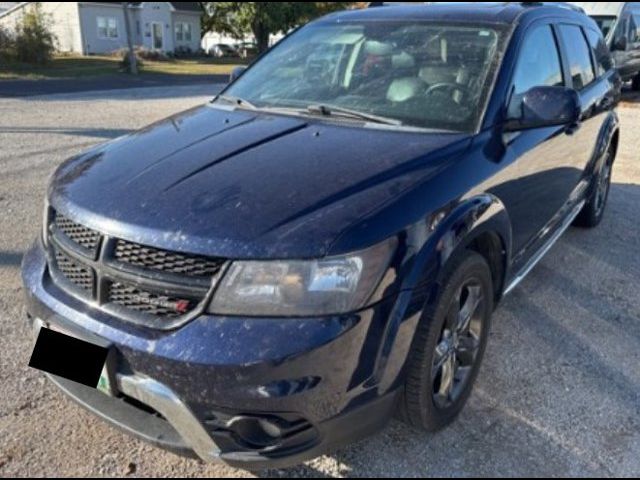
{"x":240,"y":102}
{"x":328,"y":111}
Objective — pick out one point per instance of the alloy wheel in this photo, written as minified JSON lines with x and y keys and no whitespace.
{"x":457,"y":350}
{"x":602,"y":189}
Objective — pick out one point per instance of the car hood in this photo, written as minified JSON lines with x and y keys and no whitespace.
{"x":241,"y":184}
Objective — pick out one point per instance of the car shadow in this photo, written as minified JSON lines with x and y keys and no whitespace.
{"x":559,"y":391}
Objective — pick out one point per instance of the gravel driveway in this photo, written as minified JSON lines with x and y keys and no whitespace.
{"x":559,"y":392}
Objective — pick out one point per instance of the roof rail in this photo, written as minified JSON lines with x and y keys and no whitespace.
{"x":566,"y":5}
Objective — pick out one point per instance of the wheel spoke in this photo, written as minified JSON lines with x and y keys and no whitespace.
{"x":441,"y":356}
{"x":448,"y":377}
{"x":474,"y":297}
{"x":452,"y":319}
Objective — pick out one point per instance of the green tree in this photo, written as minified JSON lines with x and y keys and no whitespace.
{"x":34,"y":42}
{"x":262,"y":18}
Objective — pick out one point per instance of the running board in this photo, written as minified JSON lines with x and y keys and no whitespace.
{"x":544,"y":250}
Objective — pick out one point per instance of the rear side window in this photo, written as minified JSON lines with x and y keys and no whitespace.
{"x":578,"y":56}
{"x":604,"y":63}
{"x":539,"y":62}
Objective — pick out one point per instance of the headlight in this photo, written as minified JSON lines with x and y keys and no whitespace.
{"x":329,"y":286}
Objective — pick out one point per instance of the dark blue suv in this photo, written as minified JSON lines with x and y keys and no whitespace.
{"x":274,"y":274}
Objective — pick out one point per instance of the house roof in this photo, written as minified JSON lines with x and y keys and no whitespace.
{"x":180,"y":6}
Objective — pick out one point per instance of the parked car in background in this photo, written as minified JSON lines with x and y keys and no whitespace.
{"x":620,"y":25}
{"x":274,"y":274}
{"x":247,"y":49}
{"x":223,"y":50}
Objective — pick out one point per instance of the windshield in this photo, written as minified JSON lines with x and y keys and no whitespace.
{"x":606,"y":24}
{"x":416,"y":74}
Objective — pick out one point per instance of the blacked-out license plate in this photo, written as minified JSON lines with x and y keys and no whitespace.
{"x":68,"y":357}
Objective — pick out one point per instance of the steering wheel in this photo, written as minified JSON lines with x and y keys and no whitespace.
{"x":448,"y":87}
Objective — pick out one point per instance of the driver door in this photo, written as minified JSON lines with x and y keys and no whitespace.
{"x":540,"y":173}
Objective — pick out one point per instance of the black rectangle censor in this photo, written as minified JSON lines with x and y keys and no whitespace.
{"x":68,"y":357}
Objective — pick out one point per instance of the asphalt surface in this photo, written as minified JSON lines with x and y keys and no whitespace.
{"x":30,"y":88}
{"x":558,"y":394}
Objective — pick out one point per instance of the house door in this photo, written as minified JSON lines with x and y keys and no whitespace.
{"x":157,"y":36}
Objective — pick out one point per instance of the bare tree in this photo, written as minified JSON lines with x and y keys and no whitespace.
{"x":133,"y":61}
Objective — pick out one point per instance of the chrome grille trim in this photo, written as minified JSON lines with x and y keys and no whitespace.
{"x":163,"y":298}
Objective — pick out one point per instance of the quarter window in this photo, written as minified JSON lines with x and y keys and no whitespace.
{"x":539,"y":63}
{"x":107,"y":27}
{"x":604,"y":63}
{"x":578,"y":56}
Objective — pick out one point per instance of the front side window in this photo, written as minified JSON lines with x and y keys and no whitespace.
{"x":107,"y":27}
{"x":538,"y":63}
{"x":578,"y":56}
{"x":420,"y":74}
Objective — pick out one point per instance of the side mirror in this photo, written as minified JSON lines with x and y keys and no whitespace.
{"x":236,"y":73}
{"x":620,"y":45}
{"x":544,"y":107}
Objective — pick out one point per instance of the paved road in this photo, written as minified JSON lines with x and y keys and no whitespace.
{"x":559,"y":393}
{"x":29,"y":88}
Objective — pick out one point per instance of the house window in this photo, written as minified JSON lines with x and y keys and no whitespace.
{"x":107,"y":27}
{"x":183,"y":32}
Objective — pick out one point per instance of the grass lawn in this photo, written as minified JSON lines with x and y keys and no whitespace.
{"x":76,"y":66}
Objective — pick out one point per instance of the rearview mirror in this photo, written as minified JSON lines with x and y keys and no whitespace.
{"x":544,"y":107}
{"x":620,"y":45}
{"x":236,"y":73}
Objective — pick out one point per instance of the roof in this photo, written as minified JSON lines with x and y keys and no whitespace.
{"x":481,"y":12}
{"x":180,"y":6}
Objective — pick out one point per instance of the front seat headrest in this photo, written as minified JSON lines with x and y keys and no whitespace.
{"x":404,"y":89}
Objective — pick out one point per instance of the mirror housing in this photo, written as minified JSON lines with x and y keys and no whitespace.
{"x":236,"y":73}
{"x":620,"y":45}
{"x":545,"y":107}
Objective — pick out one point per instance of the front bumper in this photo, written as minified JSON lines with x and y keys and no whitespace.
{"x":254,"y":393}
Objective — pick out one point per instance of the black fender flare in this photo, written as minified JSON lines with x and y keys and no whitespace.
{"x":453,"y":231}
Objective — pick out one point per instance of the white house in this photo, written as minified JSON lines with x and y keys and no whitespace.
{"x":91,"y":28}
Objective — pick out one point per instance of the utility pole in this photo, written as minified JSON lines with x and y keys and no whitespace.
{"x":133,"y":61}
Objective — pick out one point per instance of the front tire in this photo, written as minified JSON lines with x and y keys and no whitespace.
{"x":449,"y":345}
{"x":635,"y":83}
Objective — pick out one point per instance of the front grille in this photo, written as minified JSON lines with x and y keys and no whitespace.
{"x":149,"y":303}
{"x":84,"y":237}
{"x":159,"y":289}
{"x":165,"y":261}
{"x":75,"y":273}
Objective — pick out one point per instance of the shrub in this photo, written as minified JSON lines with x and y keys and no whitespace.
{"x":33,"y":41}
{"x":7,"y":45}
{"x":124,"y":63}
